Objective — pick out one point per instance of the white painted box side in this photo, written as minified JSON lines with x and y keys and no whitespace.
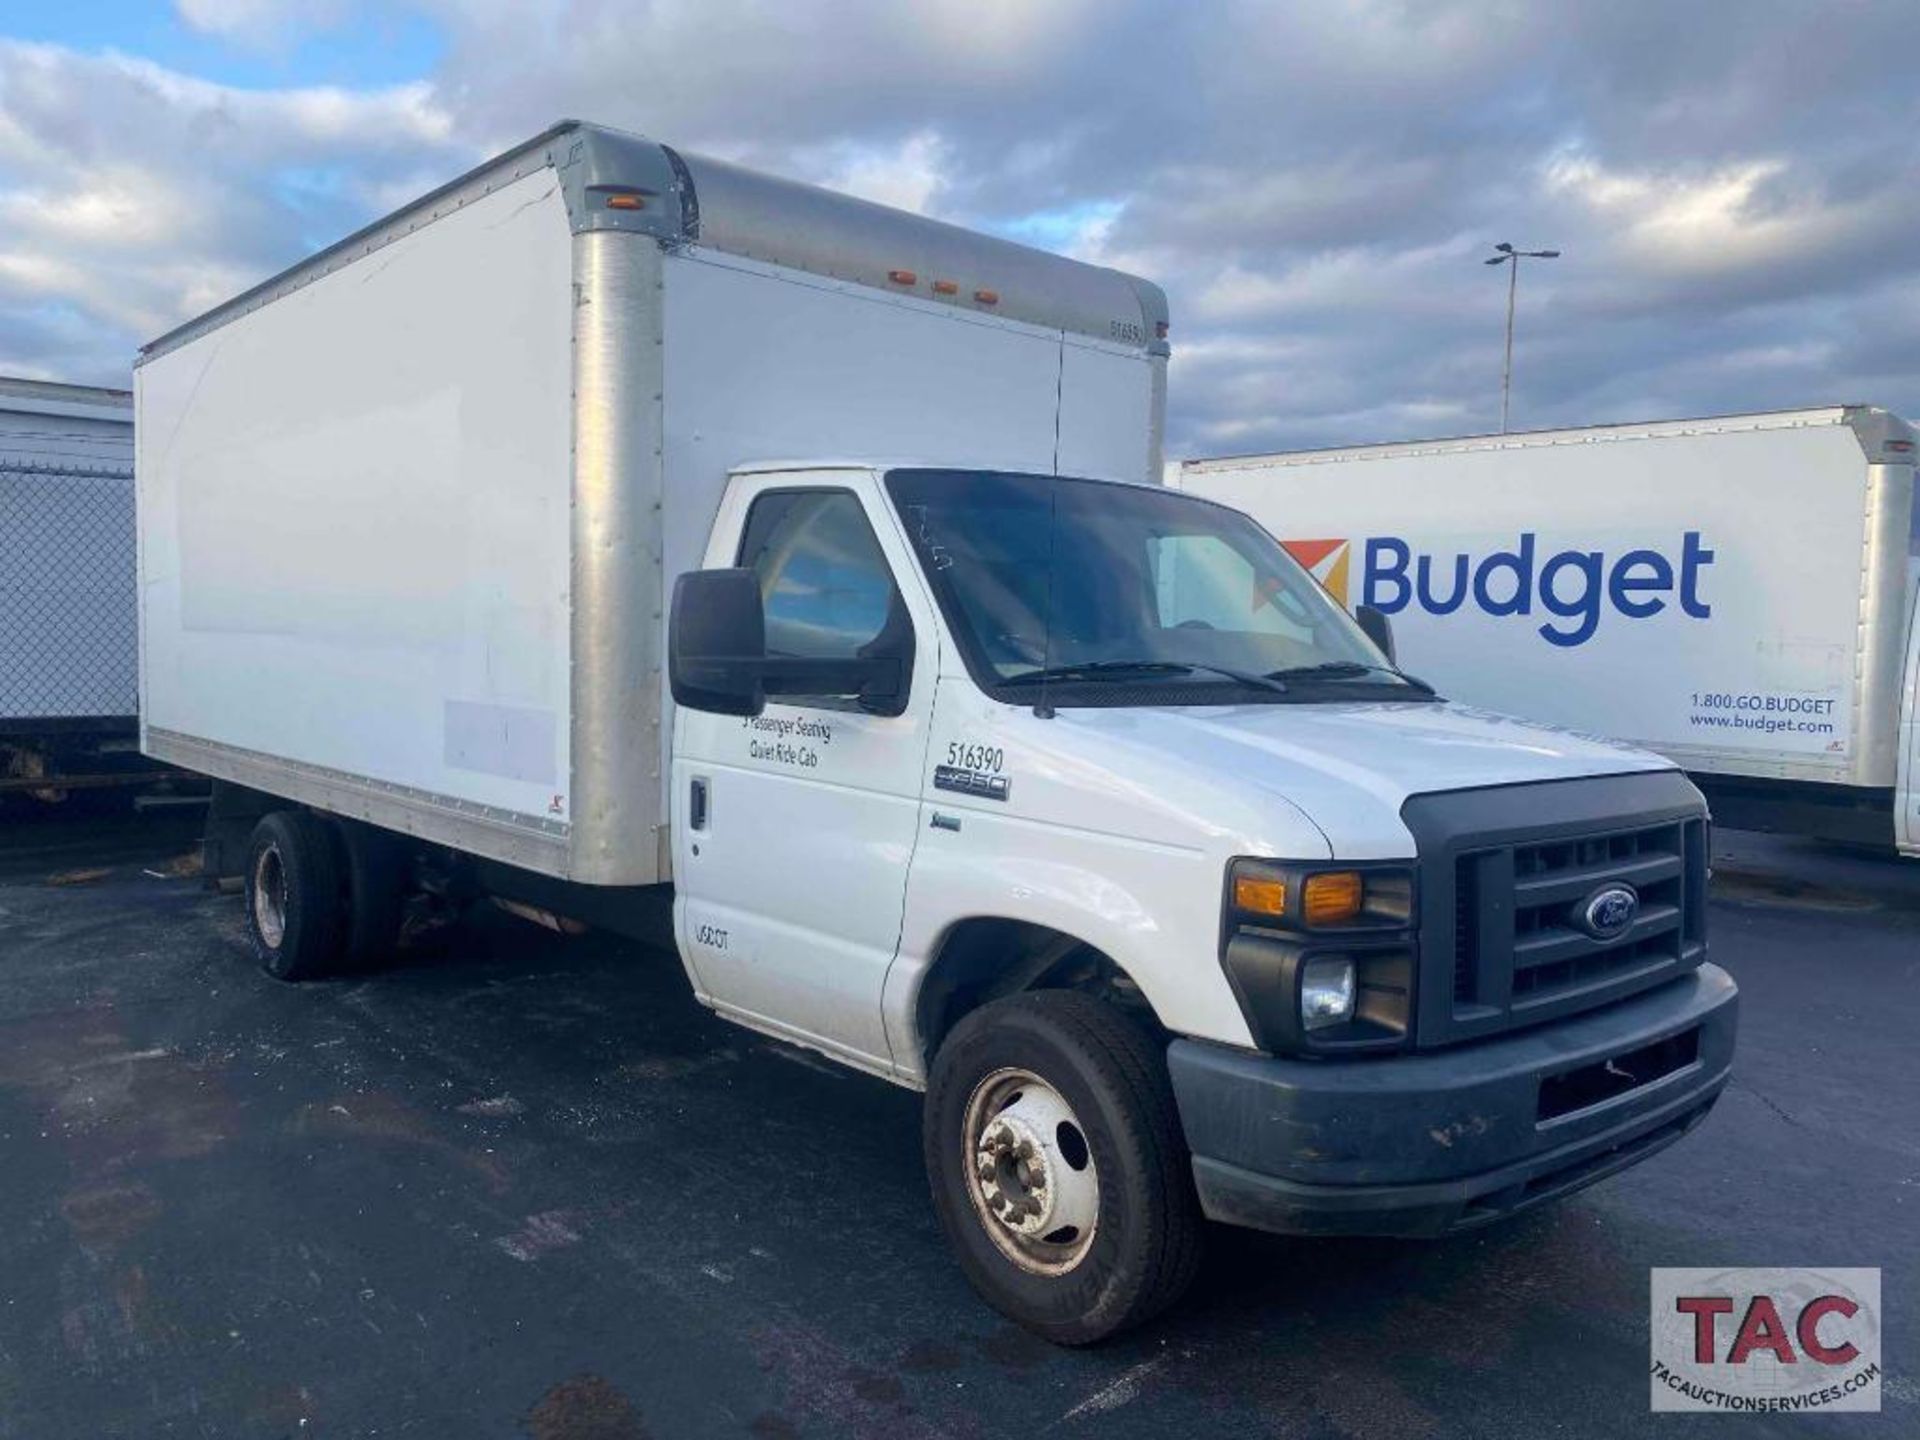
{"x":770,"y":364}
{"x":1784,"y":511}
{"x":354,"y":514}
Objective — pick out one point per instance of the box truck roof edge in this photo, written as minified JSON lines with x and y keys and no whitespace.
{"x":614,"y":180}
{"x":1881,"y":434}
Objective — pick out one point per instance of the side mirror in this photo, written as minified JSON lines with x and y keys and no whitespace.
{"x":717,"y":642}
{"x":1379,"y":629}
{"x":717,"y":657}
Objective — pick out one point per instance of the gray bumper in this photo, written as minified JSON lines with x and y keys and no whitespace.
{"x":1429,"y":1143}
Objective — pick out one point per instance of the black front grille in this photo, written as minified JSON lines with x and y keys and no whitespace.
{"x":1504,"y":899}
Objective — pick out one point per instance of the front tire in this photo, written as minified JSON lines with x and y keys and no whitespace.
{"x":1058,"y":1169}
{"x":294,"y":896}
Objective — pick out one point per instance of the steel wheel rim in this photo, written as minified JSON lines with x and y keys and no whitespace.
{"x":270,"y":897}
{"x":1030,"y":1172}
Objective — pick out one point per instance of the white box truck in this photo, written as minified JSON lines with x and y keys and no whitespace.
{"x":1736,"y":593}
{"x":614,"y":518}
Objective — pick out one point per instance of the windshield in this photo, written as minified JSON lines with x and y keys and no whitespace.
{"x":1093,"y":585}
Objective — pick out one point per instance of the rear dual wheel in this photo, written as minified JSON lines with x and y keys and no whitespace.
{"x":324,"y":895}
{"x":1058,"y":1169}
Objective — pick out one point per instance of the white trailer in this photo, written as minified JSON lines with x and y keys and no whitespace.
{"x":68,"y":656}
{"x":613,"y":516}
{"x":1735,"y":592}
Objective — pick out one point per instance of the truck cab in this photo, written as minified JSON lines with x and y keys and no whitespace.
{"x":1082,"y":806}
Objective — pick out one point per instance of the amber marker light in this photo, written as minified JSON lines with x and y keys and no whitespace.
{"x":1260,"y":895}
{"x":1329,"y":898}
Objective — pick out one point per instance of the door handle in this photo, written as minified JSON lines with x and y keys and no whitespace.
{"x":697,"y":804}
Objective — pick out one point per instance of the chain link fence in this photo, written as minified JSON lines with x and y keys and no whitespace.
{"x":68,"y":623}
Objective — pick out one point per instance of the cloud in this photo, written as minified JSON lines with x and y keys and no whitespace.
{"x":261,"y":23}
{"x":133,"y":197}
{"x":1735,"y":188}
{"x":907,"y":175}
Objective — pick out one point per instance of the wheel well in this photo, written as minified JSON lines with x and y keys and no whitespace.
{"x":985,"y":958}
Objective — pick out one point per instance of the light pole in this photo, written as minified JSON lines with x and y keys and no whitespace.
{"x":1511,"y":258}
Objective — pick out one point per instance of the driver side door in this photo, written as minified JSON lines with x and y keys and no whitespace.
{"x":794,"y":828}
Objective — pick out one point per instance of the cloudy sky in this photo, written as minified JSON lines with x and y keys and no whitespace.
{"x":1735,"y":183}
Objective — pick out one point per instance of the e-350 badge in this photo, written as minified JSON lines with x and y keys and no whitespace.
{"x":971,"y":782}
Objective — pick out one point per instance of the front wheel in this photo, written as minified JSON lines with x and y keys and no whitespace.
{"x":1057,"y":1165}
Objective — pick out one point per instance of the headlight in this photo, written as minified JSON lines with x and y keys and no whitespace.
{"x":1321,"y":957}
{"x":1326,"y":991}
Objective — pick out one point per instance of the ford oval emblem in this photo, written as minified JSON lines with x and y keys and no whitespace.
{"x":1608,"y":912}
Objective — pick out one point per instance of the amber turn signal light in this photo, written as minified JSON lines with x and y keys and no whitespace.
{"x":1259,"y":895}
{"x":1330,"y":897}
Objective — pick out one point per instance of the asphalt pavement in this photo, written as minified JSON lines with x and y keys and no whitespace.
{"x":523,"y":1186}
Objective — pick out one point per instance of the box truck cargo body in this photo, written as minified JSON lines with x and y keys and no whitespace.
{"x":456,"y":460}
{"x":1735,"y":592}
{"x":614,"y":517}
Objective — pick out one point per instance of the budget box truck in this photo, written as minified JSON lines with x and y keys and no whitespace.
{"x":614,"y":520}
{"x":1736,"y":593}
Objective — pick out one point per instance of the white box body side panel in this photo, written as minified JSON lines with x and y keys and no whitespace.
{"x":354,"y":513}
{"x":768,"y":364}
{"x":1781,"y":679}
{"x":1110,"y":403}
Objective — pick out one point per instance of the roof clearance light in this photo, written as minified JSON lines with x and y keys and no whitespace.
{"x":626,"y":202}
{"x":945,"y":287}
{"x":986,"y":297}
{"x":1900,"y":447}
{"x":902,"y":277}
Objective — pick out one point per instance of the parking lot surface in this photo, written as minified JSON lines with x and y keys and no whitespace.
{"x":521,"y":1185}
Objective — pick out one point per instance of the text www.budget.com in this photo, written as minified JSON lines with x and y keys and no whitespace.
{"x":1766,"y":724}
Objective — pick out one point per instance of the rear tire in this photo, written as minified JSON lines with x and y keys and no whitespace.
{"x":1027,"y":1096}
{"x":294,"y":897}
{"x":373,"y":865}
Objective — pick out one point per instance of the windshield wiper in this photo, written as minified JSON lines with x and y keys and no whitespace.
{"x":1131,"y":669}
{"x":1348,"y":670}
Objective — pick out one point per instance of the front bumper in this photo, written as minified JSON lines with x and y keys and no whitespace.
{"x":1429,"y":1143}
